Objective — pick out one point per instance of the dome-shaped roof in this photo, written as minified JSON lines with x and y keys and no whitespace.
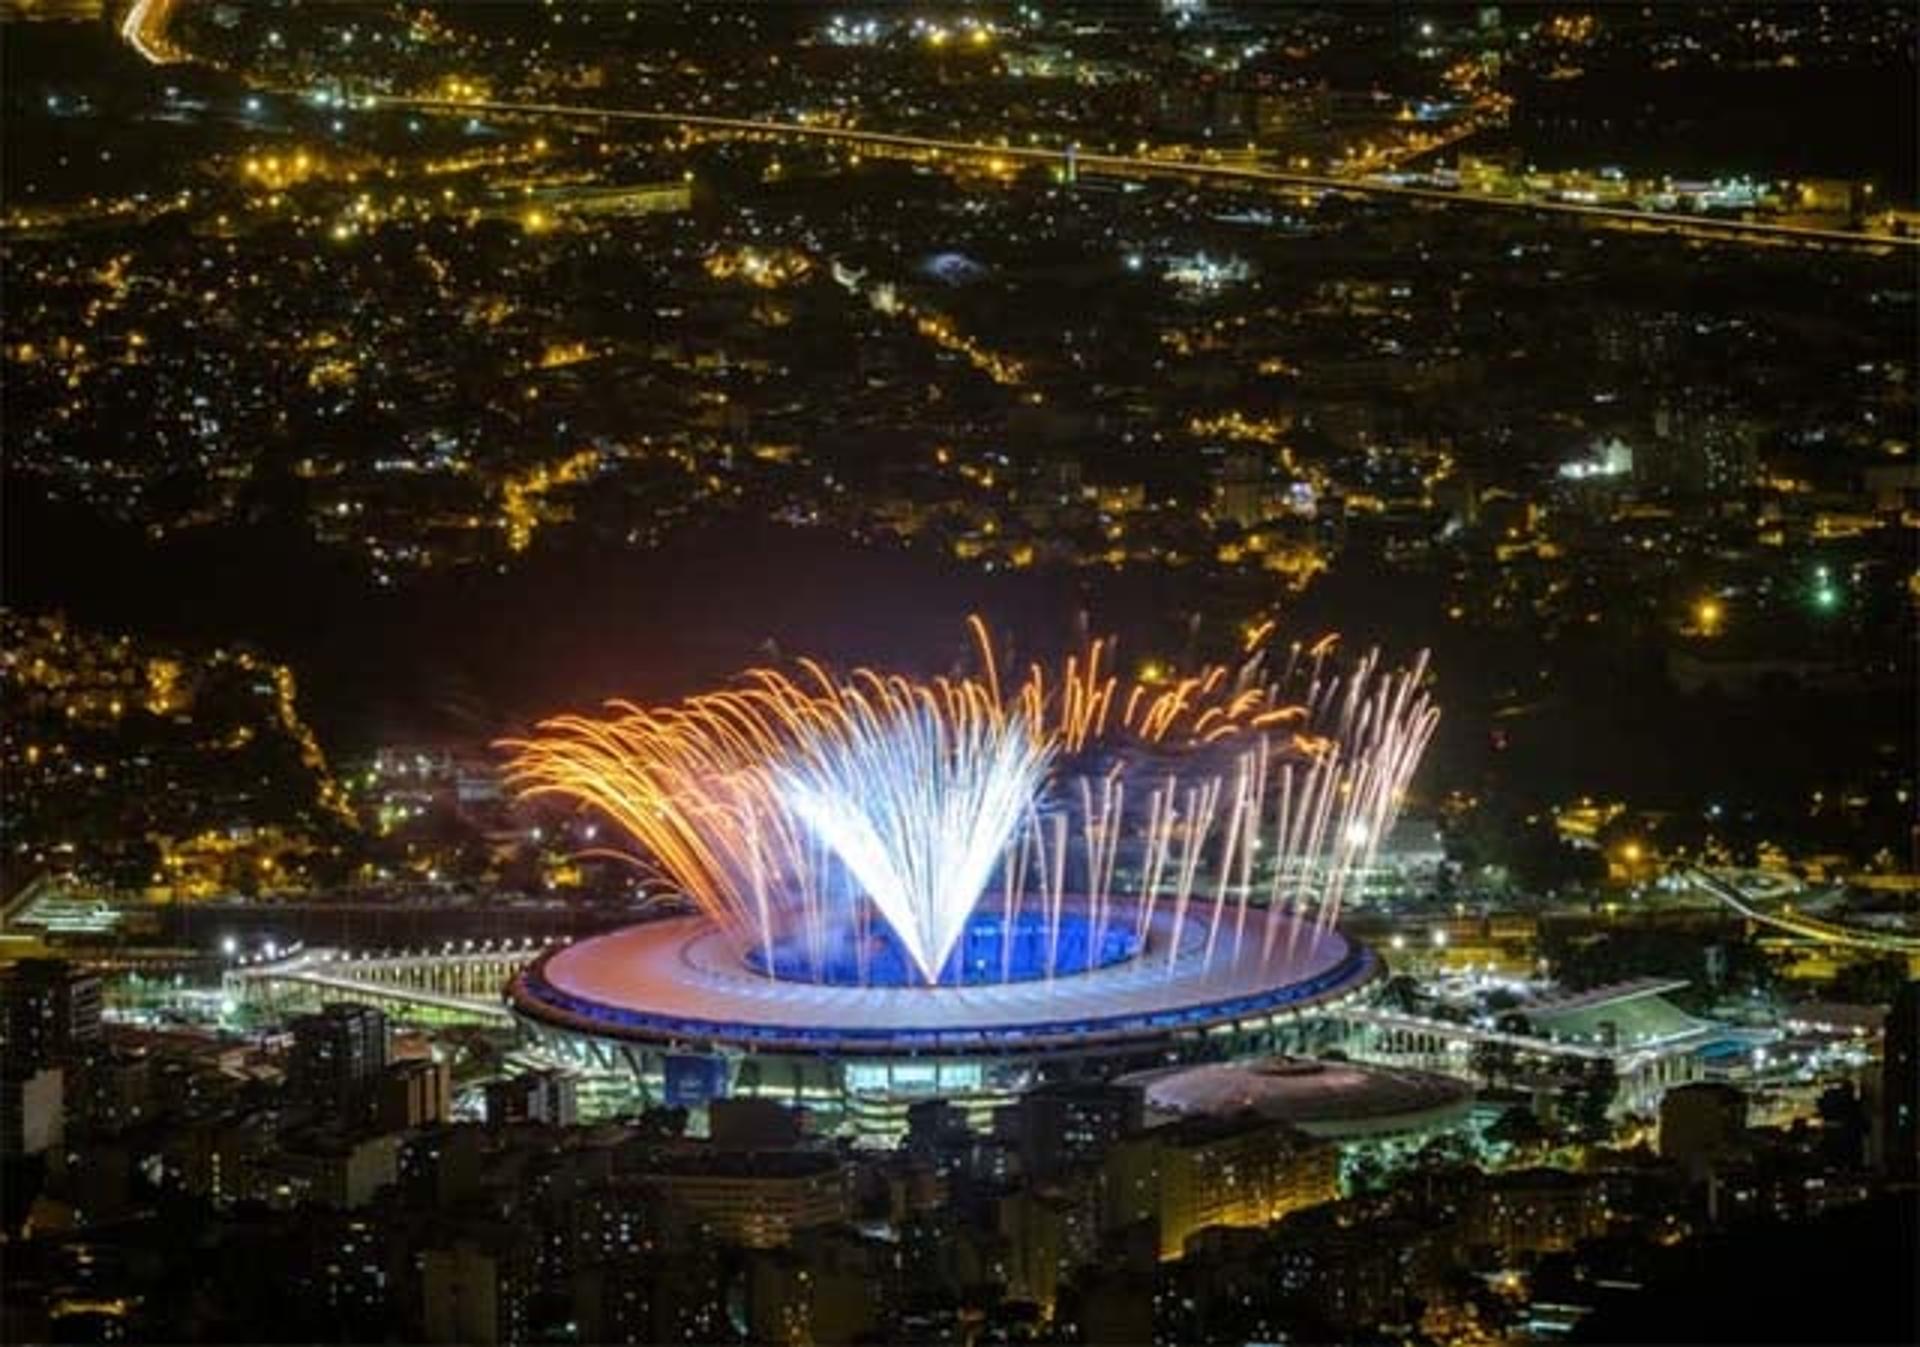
{"x":1327,"y":1098}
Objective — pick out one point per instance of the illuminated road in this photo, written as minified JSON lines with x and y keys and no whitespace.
{"x":145,"y":30}
{"x":1132,"y":166}
{"x":1800,"y":923}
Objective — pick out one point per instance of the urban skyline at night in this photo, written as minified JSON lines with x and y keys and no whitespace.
{"x":1052,"y":671}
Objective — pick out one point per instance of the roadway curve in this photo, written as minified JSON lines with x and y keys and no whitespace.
{"x":1805,"y":926}
{"x":145,"y":30}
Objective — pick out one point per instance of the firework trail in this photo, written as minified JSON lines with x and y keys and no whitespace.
{"x":796,"y":808}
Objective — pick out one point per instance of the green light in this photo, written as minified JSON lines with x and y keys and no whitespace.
{"x":1826,"y":596}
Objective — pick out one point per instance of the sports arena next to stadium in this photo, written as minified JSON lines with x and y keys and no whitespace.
{"x":964,"y":887}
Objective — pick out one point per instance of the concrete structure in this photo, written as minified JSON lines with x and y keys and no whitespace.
{"x":1899,"y":1123}
{"x":671,"y":1004}
{"x":533,"y":1096}
{"x":1236,"y":1171}
{"x":32,"y":1111}
{"x":49,"y":1012}
{"x":413,"y":1094}
{"x":1335,"y":1101}
{"x":1535,"y":1211}
{"x":758,"y":1200}
{"x":330,"y":1170}
{"x":1057,"y":1127}
{"x":979,"y":1047}
{"x":1652,"y":1044}
{"x":1700,"y":1125}
{"x":337,"y":1056}
{"x":752,"y":1125}
{"x":475,"y":1291}
{"x":455,"y":983}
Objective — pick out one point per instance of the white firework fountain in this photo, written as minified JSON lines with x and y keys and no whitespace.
{"x":877,"y":830}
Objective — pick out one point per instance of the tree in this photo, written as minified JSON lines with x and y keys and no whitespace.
{"x":133,"y":866}
{"x":1447,"y":1151}
{"x":1500,"y":998}
{"x":1400,"y":993}
{"x":1593,"y":1096}
{"x":1870,"y":982}
{"x":1543,"y":863}
{"x":1843,"y":1126}
{"x":1515,"y":1023}
{"x":1520,"y":1129}
{"x":1494,"y":1061}
{"x":1366,"y":1173}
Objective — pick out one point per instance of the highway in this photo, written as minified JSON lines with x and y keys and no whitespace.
{"x":1133,"y":166}
{"x":1802,"y":924}
{"x":145,"y":26}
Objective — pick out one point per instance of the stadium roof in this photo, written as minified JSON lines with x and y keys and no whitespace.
{"x":1330,"y":1099}
{"x":1626,"y":1014}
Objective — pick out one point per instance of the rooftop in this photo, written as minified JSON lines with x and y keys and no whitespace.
{"x":1328,"y":1098}
{"x":1628,"y":1014}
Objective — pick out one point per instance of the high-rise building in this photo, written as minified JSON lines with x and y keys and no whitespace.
{"x":338,"y":1055}
{"x":220,"y":1158}
{"x":1044,"y":1235}
{"x":1539,"y":1210}
{"x":820,"y":1290}
{"x":441,"y":1166}
{"x":1356,"y":1276}
{"x":1900,"y":1085}
{"x":413,"y":1093}
{"x":340,"y":1273}
{"x":1699,"y":448}
{"x":1059,"y":1126}
{"x":1111,"y":1303}
{"x":51,"y":1013}
{"x":476,"y":1289}
{"x":1242,"y":492}
{"x":111,"y":1091}
{"x":751,"y":1123}
{"x":663,"y":1296}
{"x":32,"y":1110}
{"x":758,"y":1200}
{"x":328,"y":1169}
{"x":1701,"y":1124}
{"x":533,"y":1096}
{"x":1243,"y":1170}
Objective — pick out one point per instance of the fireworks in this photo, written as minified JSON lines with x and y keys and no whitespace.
{"x":813,"y":815}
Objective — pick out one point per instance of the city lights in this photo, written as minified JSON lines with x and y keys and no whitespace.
{"x":510,"y":835}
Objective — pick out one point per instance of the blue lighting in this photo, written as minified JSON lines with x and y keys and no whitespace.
{"x":984,"y":954}
{"x":533,"y":993}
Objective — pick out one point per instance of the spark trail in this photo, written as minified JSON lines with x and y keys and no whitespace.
{"x":798,"y":808}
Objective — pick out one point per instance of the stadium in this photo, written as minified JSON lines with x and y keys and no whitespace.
{"x":950,"y":888}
